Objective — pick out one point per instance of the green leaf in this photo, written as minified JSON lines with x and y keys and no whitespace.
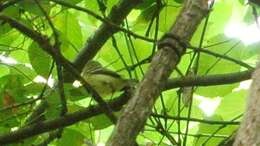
{"x":85,"y":129}
{"x":171,"y":102}
{"x":7,"y":39}
{"x":145,"y":4}
{"x":179,"y":1}
{"x":7,"y":121}
{"x":250,"y":51}
{"x":74,"y":2}
{"x":71,"y":138}
{"x":212,"y":65}
{"x":20,"y":55}
{"x":4,"y":29}
{"x":40,"y":60}
{"x":75,"y":94}
{"x":12,"y":11}
{"x":34,"y":88}
{"x":20,"y":69}
{"x":147,"y":14}
{"x":242,"y":1}
{"x":232,"y":104}
{"x":219,"y":17}
{"x":70,"y":33}
{"x":93,"y":6}
{"x":11,"y":92}
{"x":32,"y":7}
{"x":110,"y":4}
{"x":249,"y":17}
{"x":14,"y":85}
{"x":100,"y":122}
{"x":4,"y":70}
{"x":208,"y":129}
{"x":54,"y":105}
{"x":168,"y":16}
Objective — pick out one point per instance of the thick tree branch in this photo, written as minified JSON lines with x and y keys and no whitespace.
{"x":7,"y":4}
{"x":163,"y":63}
{"x":44,"y":43}
{"x":209,"y":80}
{"x":104,"y":32}
{"x":60,"y":122}
{"x":117,"y":104}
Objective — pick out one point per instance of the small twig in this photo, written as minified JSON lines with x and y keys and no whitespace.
{"x":221,"y":127}
{"x":213,"y":122}
{"x":13,"y":106}
{"x":241,"y":63}
{"x":7,"y":4}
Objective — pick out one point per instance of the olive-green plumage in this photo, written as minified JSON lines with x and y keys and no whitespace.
{"x":103,"y":80}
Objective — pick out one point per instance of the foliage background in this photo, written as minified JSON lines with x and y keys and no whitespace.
{"x":24,"y":63}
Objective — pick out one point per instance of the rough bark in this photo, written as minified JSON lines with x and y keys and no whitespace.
{"x":209,"y":80}
{"x":163,"y":63}
{"x":249,"y":131}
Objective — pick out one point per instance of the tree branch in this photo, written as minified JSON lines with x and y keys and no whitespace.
{"x":241,"y":63}
{"x":117,"y":104}
{"x":196,"y":120}
{"x":7,"y":4}
{"x":66,"y":120}
{"x":209,"y":80}
{"x":104,"y":32}
{"x":44,"y":43}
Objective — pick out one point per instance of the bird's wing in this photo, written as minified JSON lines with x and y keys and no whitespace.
{"x":106,"y":72}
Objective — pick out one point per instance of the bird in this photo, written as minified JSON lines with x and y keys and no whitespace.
{"x":104,"y":81}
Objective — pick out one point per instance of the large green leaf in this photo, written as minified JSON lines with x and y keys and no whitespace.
{"x":100,"y":122}
{"x":69,"y":33}
{"x":20,"y":55}
{"x":219,"y":18}
{"x":40,"y":60}
{"x":93,"y":6}
{"x":32,"y":7}
{"x":14,"y":85}
{"x":250,"y":51}
{"x":85,"y":129}
{"x":145,"y":4}
{"x":33,"y":89}
{"x":53,"y":109}
{"x":147,"y":14}
{"x":232,"y":104}
{"x":12,"y":91}
{"x":73,"y":1}
{"x":168,"y":16}
{"x":4,"y":70}
{"x":71,"y":138}
{"x":208,"y":129}
{"x":20,"y":69}
{"x":7,"y":38}
{"x":73,"y":93}
{"x":212,"y":65}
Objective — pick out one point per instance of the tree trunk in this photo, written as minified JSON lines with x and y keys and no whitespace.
{"x":249,"y":132}
{"x":171,"y":49}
